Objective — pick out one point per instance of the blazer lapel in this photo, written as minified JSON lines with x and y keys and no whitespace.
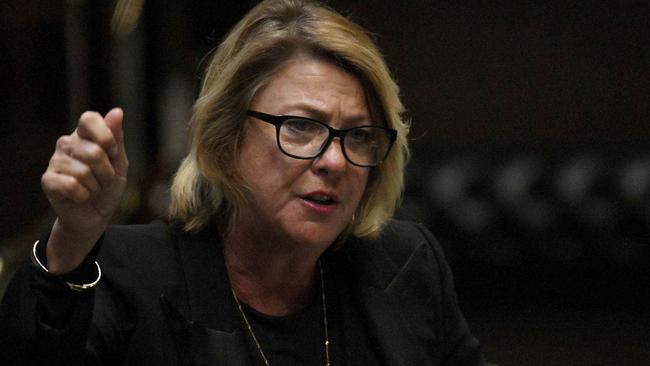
{"x":386,"y":324}
{"x":378,"y":285}
{"x":200,"y":345}
{"x":203,"y":318}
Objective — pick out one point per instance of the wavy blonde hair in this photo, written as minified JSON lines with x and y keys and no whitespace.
{"x":207,"y":185}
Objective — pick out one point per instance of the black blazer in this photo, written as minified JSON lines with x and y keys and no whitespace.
{"x":164,"y":299}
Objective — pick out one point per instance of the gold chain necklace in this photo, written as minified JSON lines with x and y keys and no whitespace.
{"x":257,"y":343}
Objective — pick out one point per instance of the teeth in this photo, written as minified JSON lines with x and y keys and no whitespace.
{"x":321,"y":198}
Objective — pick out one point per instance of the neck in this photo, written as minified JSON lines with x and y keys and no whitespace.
{"x":274,"y":279}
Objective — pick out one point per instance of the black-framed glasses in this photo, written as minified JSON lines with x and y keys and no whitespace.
{"x":306,"y":138}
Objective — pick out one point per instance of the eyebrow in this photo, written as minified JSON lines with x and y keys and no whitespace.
{"x":322,"y":116}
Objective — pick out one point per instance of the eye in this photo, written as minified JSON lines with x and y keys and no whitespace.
{"x":301,"y":126}
{"x":361,"y":135}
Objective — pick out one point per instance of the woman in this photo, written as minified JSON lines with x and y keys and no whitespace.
{"x":280,"y":250}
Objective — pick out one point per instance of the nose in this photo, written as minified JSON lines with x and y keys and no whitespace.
{"x":332,"y":160}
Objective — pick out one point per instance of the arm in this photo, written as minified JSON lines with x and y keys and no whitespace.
{"x":43,"y":321}
{"x":460,"y":347}
{"x":84,"y":182}
{"x":43,"y":318}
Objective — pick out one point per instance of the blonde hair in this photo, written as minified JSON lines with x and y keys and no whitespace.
{"x":207,"y":185}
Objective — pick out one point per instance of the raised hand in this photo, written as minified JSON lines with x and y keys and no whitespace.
{"x":84,"y":182}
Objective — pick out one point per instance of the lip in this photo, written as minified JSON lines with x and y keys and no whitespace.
{"x":324,"y":193}
{"x":321,"y":208}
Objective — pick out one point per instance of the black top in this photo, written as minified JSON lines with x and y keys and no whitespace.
{"x":292,"y":340}
{"x":298,"y":339}
{"x":164,"y":299}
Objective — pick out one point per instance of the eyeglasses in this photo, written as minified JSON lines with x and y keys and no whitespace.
{"x":306,"y":138}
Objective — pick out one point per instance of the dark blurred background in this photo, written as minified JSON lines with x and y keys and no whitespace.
{"x":530,"y":136}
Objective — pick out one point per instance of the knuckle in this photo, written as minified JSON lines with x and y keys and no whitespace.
{"x":94,"y":153}
{"x":106,"y":141}
{"x":87,"y":123}
{"x":45,"y":179}
{"x":69,"y":184}
{"x":62,"y":142}
{"x":53,"y":160}
{"x":84,"y":172}
{"x":91,"y":127}
{"x":74,"y":190}
{"x":87,"y":117}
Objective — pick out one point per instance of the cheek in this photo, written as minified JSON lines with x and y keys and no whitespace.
{"x":268,"y":173}
{"x":360,"y":184}
{"x":257,"y":160}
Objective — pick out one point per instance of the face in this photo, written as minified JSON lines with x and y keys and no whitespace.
{"x":305,"y":203}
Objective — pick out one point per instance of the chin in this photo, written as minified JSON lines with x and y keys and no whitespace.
{"x":317,"y":234}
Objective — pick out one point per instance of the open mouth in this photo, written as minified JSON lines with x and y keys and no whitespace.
{"x":320,"y":199}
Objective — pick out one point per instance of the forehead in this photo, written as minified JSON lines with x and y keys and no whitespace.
{"x":312,"y":84}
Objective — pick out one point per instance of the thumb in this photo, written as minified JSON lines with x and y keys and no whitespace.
{"x":114,"y":119}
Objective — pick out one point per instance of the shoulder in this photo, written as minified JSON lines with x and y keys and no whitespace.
{"x":403,"y":247}
{"x":156,"y":231}
{"x":147,"y":250}
{"x":405,"y":234}
{"x":129,"y":239}
{"x":399,"y":240}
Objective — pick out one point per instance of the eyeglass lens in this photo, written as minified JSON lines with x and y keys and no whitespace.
{"x":305,"y":138}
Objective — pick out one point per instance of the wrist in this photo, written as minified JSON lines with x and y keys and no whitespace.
{"x":65,"y":250}
{"x":80,"y":279}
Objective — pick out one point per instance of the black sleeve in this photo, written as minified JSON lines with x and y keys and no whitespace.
{"x":460,"y":346}
{"x":43,"y":321}
{"x":55,"y":299}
